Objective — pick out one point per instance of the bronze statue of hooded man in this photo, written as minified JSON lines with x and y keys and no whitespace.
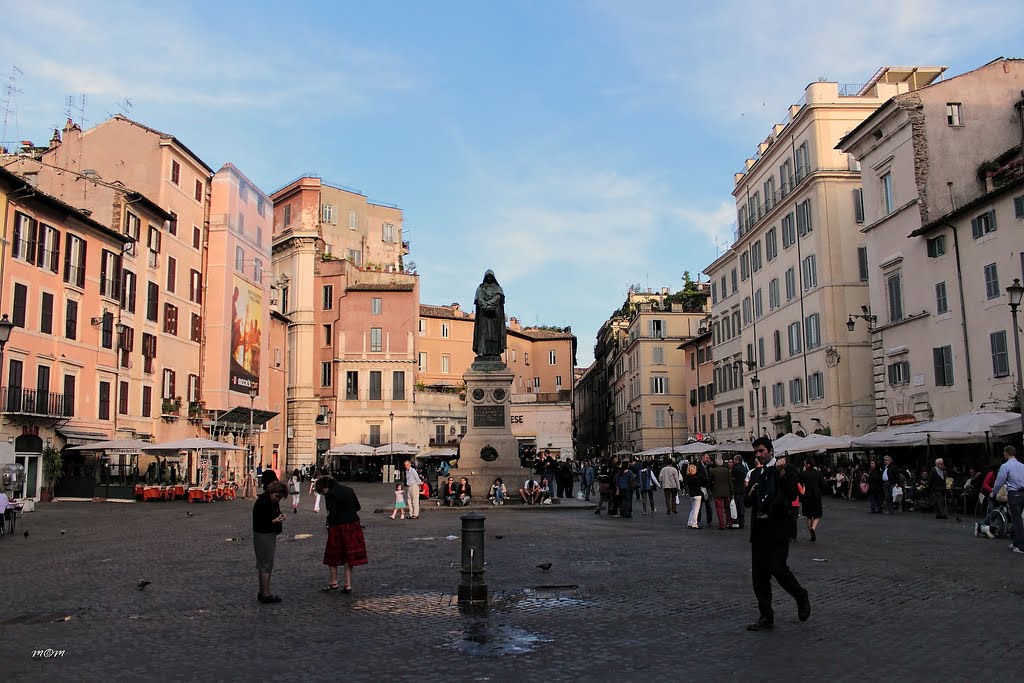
{"x":489,"y":335}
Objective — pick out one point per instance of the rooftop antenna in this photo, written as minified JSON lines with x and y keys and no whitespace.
{"x":719,"y":242}
{"x":124,"y":105}
{"x":9,"y":105}
{"x":70,"y":108}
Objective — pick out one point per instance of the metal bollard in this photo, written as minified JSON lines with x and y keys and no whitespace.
{"x":472,"y":588}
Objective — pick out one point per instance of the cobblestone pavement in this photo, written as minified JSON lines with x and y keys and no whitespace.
{"x":642,"y":599}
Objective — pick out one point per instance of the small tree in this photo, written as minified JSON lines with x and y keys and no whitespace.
{"x":53,"y":467}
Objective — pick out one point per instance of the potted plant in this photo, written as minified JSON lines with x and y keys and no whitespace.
{"x":53,"y":470}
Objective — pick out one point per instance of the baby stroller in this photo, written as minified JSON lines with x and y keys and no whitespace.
{"x":997,"y":524}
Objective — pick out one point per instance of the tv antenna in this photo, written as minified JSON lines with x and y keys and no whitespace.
{"x":9,"y":105}
{"x":124,"y":105}
{"x":70,"y":108}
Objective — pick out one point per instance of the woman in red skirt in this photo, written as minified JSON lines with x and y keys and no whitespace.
{"x":345,"y":543}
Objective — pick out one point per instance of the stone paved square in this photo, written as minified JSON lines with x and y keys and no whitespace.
{"x":644,"y":599}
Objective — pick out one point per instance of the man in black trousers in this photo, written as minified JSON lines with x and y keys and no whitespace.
{"x":772,"y":491}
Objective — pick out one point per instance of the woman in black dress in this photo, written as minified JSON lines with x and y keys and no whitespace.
{"x":345,"y":543}
{"x":813,"y":484}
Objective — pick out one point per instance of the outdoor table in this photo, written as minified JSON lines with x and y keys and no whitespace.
{"x":140,"y":492}
{"x":151,"y":493}
{"x":196,"y":494}
{"x":179,"y":491}
{"x":10,"y":520}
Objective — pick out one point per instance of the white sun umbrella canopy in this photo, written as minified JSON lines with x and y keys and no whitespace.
{"x":351,"y":449}
{"x":893,"y":437}
{"x":396,"y":449}
{"x":974,"y":427}
{"x":442,"y":453}
{"x":786,"y":443}
{"x":192,"y":444}
{"x":733,"y":447}
{"x":695,"y":448}
{"x":123,"y":445}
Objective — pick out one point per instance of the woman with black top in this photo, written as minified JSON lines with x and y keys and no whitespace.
{"x":813,"y":485}
{"x":345,"y":543}
{"x":266,"y":525}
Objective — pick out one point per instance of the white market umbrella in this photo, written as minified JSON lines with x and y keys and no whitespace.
{"x":787,"y":442}
{"x":443,"y":453}
{"x":117,"y":445}
{"x":893,"y":437}
{"x":733,"y":447}
{"x":396,"y":449}
{"x":192,"y":444}
{"x":976,"y":426}
{"x":696,"y":447}
{"x":351,"y":449}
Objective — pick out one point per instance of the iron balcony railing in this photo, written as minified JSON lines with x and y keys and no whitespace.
{"x":16,"y":400}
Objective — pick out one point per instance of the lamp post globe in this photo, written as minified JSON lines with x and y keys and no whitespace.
{"x":1015,"y":293}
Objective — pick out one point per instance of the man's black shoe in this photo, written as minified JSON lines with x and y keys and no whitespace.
{"x":760,"y":625}
{"x":803,"y":606}
{"x":597,"y":512}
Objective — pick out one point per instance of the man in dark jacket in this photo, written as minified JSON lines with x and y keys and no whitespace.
{"x":770,"y":495}
{"x":704,"y":477}
{"x":937,"y":487}
{"x":739,"y":478}
{"x":890,"y":478}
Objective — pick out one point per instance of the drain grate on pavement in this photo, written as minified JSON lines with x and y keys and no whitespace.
{"x":36,"y":618}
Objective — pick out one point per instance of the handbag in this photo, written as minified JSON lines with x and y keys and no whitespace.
{"x":864,"y":487}
{"x":897,"y":494}
{"x":1001,"y":495}
{"x":733,"y":512}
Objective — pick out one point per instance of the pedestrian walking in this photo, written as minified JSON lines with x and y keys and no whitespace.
{"x":696,"y":492}
{"x":1011,"y":475}
{"x":625,"y":482}
{"x":704,"y":476}
{"x":412,"y":489}
{"x":312,"y":488}
{"x":295,"y":487}
{"x":772,"y":490}
{"x":648,"y":485}
{"x":669,"y":478}
{"x":937,"y":487}
{"x":874,"y":476}
{"x":399,"y":501}
{"x":587,"y":478}
{"x":813,"y":484}
{"x":267,"y":523}
{"x":739,"y":479}
{"x":346,"y":546}
{"x":721,"y":489}
{"x":890,"y":480}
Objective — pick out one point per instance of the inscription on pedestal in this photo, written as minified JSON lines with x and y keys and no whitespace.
{"x":489,"y":416}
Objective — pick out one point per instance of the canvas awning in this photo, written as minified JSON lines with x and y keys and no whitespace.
{"x":192,"y":444}
{"x":893,"y":437}
{"x":77,"y":437}
{"x":733,"y":447}
{"x":118,"y":447}
{"x":442,"y":453}
{"x":976,"y":426}
{"x":239,"y":417}
{"x":350,"y":449}
{"x":396,"y":449}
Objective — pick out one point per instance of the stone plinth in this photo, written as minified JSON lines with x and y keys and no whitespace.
{"x":489,"y":449}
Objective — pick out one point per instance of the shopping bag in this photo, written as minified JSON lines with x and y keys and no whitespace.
{"x":733,"y":512}
{"x":897,"y":494}
{"x":677,"y":499}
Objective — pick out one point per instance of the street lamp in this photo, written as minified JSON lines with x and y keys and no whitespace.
{"x":1014,"y":292}
{"x":5,"y":334}
{"x":252,"y":448}
{"x":391,"y":416}
{"x":672,"y":430}
{"x":865,"y":314}
{"x":755,"y":382}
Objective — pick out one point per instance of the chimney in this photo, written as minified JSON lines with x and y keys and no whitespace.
{"x":55,"y":140}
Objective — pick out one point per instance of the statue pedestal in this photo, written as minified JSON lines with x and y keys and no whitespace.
{"x":489,"y":449}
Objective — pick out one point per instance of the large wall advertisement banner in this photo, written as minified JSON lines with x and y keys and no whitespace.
{"x":246,"y":316}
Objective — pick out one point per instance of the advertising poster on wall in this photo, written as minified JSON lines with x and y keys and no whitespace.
{"x":246,"y":317}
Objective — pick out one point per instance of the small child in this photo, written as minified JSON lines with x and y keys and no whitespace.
{"x":399,"y":501}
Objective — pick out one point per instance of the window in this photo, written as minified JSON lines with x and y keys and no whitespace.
{"x":74,"y":260}
{"x":728,"y":418}
{"x":894,"y":287}
{"x":746,"y":310}
{"x":758,"y":304}
{"x":388,"y":233}
{"x":422,"y":364}
{"x":376,"y":339}
{"x":941,"y":301}
{"x":899,"y":373}
{"x":796,"y":390}
{"x":773,"y":294}
{"x":760,"y":351}
{"x":659,"y":384}
{"x":375,"y":382}
{"x":888,"y":203}
{"x":795,"y":342}
{"x":657,"y":330}
{"x":352,"y":385}
{"x":735,"y":284}
{"x":446,"y":363}
{"x":858,"y":205}
{"x":954,"y":114}
{"x":147,"y":401}
{"x":1018,"y":206}
{"x":558,"y":382}
{"x":785,"y":177}
{"x":741,"y":218}
{"x":23,"y":245}
{"x":862,"y":263}
{"x":107,"y":330}
{"x":287,"y":215}
{"x":803,"y":161}
{"x":810,"y":272}
{"x":122,"y":398}
{"x":170,"y":319}
{"x":439,"y":434}
{"x":943,"y":360}
{"x":46,"y":314}
{"x":552,"y":359}
{"x":257,"y":270}
{"x":148,"y":352}
{"x":815,"y":386}
{"x":192,"y":390}
{"x":175,"y":172}
{"x":355,"y":257}
{"x":284,"y":300}
{"x":714,"y":292}
{"x":374,"y":435}
{"x":769,"y":194}
{"x":771,"y":245}
{"x":328,"y":297}
{"x":744,"y":266}
{"x":422,"y":327}
{"x":69,"y":396}
{"x":327,"y":214}
{"x":803,"y":217}
{"x":536,"y":383}
{"x":172,"y":273}
{"x":992,"y":281}
{"x":197,"y":237}
{"x":71,"y":320}
{"x":788,"y":231}
{"x":812,"y":331}
{"x":444,"y":330}
{"x":152,"y":301}
{"x":104,"y":401}
{"x":195,"y":328}
{"x":657,"y":355}
{"x":129,"y":282}
{"x":936,"y":246}
{"x":353,"y":220}
{"x":20,"y":305}
{"x":755,"y":256}
{"x":777,"y":345}
{"x":195,"y":286}
{"x":243,"y":192}
{"x":153,"y":240}
{"x":328,"y":334}
{"x":1000,"y":357}
{"x":398,"y":385}
{"x":778,"y":395}
{"x":376,"y":305}
{"x":110,"y":275}
{"x":790,"y":284}
{"x":199,"y":191}
{"x":240,"y":260}
{"x":172,"y":224}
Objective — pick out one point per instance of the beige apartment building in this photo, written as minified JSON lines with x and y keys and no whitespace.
{"x":943,"y":189}
{"x":698,"y":371}
{"x":337,"y":258}
{"x":784,"y":358}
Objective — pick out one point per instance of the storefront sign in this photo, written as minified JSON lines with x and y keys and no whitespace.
{"x":902,"y":420}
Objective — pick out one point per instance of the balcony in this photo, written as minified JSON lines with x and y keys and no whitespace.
{"x":29,"y":402}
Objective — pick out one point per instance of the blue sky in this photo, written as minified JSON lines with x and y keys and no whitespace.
{"x":573,"y":146}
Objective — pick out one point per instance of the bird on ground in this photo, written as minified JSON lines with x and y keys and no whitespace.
{"x":545,"y":566}
{"x":498,"y":537}
{"x":188,"y":514}
{"x":26,"y":533}
{"x":63,"y":531}
{"x":142,"y":584}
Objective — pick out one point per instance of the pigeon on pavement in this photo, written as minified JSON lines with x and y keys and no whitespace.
{"x":26,"y":533}
{"x":545,"y":566}
{"x":142,"y":584}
